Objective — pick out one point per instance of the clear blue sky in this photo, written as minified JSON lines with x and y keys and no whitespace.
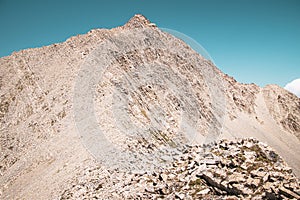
{"x":253,"y":40}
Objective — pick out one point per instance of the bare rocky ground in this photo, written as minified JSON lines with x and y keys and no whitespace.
{"x":156,"y":101}
{"x":240,"y":169}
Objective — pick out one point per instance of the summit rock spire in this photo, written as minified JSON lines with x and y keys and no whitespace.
{"x":139,"y":21}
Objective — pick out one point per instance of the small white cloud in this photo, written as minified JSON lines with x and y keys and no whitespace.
{"x":294,"y":87}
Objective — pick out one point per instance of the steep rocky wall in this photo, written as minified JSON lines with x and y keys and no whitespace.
{"x":284,"y":107}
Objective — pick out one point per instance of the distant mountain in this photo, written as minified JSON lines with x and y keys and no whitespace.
{"x":128,"y":99}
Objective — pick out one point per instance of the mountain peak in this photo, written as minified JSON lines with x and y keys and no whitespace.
{"x":139,"y":21}
{"x":134,"y":106}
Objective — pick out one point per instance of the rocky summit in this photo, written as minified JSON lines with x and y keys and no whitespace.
{"x":134,"y":112}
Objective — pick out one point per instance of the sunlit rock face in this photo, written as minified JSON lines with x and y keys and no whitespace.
{"x":129,"y":99}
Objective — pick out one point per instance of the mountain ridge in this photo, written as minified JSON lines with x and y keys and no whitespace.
{"x":37,"y":97}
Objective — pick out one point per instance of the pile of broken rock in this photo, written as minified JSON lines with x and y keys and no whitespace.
{"x":240,"y":169}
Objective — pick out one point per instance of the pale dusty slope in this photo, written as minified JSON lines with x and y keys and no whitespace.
{"x":41,"y":149}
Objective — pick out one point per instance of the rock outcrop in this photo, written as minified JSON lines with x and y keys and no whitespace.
{"x":240,"y":169}
{"x":284,"y":108}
